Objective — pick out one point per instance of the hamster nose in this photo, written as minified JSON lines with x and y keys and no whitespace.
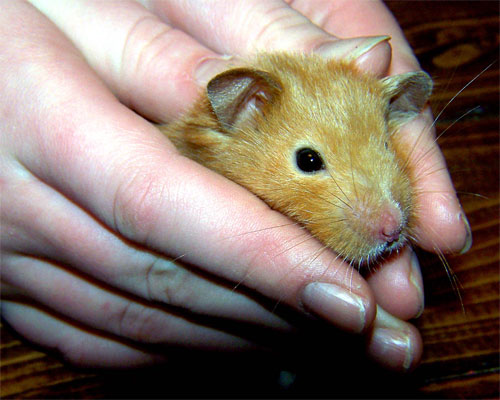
{"x":389,"y":225}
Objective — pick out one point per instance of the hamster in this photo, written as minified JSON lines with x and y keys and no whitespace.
{"x":314,"y":139}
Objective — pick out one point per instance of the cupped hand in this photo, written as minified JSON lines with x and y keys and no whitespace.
{"x":111,"y":240}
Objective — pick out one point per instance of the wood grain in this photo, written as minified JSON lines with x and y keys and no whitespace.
{"x":454,"y":41}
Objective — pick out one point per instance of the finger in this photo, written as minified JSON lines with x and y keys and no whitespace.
{"x":345,"y":18}
{"x":80,"y":347}
{"x":158,"y":69}
{"x":42,"y":223}
{"x":143,"y":60}
{"x":440,"y":223}
{"x":135,"y":183}
{"x":398,"y":286}
{"x":394,"y":344}
{"x":262,"y":25}
{"x":96,"y":306}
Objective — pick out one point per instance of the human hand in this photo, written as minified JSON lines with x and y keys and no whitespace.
{"x":96,"y":203}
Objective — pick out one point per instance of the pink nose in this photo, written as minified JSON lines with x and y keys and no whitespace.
{"x":389,"y":226}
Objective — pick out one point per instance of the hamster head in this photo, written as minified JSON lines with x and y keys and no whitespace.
{"x":313,"y":138}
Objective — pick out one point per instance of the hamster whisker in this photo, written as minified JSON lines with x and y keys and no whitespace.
{"x":460,"y":91}
{"x":420,"y":192}
{"x":421,"y":157}
{"x":337,"y":184}
{"x":263,"y":230}
{"x":327,"y":219}
{"x":329,"y":265}
{"x":304,"y":188}
{"x":473,"y":194}
{"x":405,"y":165}
{"x":178,"y":258}
{"x":454,"y":122}
{"x":352,"y":274}
{"x":455,"y":283}
{"x":414,"y":146}
{"x":428,"y":173}
{"x":248,"y":274}
{"x":306,"y":233}
{"x":425,"y":155}
{"x":353,"y":180}
{"x":452,"y":277}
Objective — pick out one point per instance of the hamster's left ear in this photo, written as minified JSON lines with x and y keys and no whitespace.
{"x":407,"y":94}
{"x":238,"y":94}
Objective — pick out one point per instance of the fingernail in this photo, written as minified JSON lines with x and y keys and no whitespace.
{"x":350,"y":49}
{"x":362,"y":51}
{"x":468,"y":237}
{"x":391,"y":348}
{"x":417,"y":282}
{"x":210,"y":67}
{"x":341,"y":307}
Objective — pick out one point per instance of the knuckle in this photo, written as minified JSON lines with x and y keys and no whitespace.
{"x":74,"y":345}
{"x":137,"y":206}
{"x":136,"y":322}
{"x":147,"y":49}
{"x":283,"y":29}
{"x":142,"y":41}
{"x":140,"y":47}
{"x":169,"y":283}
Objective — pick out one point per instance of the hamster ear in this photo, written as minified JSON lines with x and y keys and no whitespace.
{"x":407,"y":94}
{"x":236,"y":95}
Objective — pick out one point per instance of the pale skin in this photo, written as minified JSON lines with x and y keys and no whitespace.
{"x":96,"y":202}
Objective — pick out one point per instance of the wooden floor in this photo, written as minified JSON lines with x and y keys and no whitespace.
{"x":455,"y":41}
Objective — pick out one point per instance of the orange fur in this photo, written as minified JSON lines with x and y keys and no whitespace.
{"x":325,"y":105}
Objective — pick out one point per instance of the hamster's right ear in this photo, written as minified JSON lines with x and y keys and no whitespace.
{"x":407,"y":95}
{"x":238,"y":94}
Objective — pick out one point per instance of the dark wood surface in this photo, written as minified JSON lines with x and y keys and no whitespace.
{"x":454,"y":41}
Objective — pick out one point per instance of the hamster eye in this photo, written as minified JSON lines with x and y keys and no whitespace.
{"x":386,"y":145}
{"x":309,"y":160}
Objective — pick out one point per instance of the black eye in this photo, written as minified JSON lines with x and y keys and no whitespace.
{"x":386,"y":145}
{"x":309,"y":160}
